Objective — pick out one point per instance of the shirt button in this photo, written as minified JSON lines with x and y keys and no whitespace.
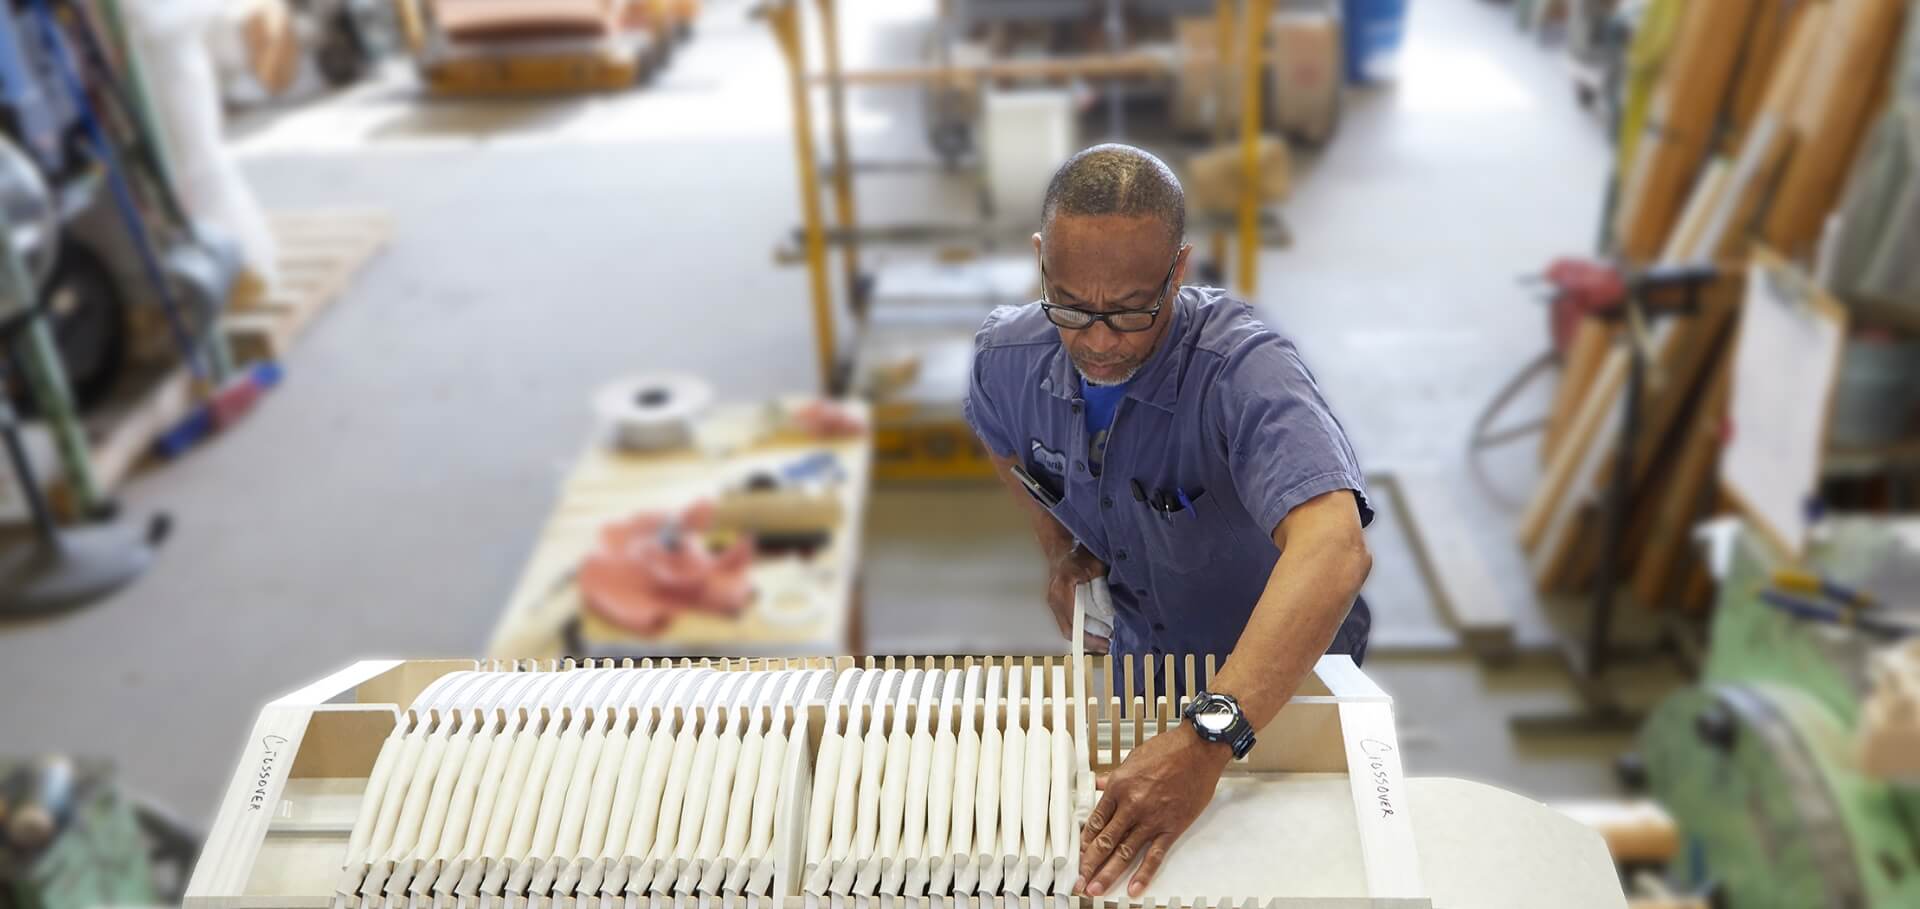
{"x":1082,"y":465}
{"x":1121,"y":555}
{"x":1076,"y":407}
{"x":1106,"y":501}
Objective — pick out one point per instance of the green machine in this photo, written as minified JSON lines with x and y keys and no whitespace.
{"x":71,"y":839}
{"x":1758,"y":761}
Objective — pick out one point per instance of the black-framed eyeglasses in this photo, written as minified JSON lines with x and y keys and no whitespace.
{"x":1126,"y":321}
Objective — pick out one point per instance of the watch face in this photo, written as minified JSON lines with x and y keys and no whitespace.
{"x":1214,"y":717}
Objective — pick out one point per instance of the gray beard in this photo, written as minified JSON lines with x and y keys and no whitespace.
{"x":1093,"y":381}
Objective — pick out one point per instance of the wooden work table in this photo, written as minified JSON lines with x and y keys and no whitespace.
{"x":606,"y":485}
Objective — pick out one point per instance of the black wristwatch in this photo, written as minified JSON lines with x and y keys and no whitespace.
{"x":1218,"y":718}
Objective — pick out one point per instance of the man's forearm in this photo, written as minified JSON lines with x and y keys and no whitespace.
{"x":1306,"y":598}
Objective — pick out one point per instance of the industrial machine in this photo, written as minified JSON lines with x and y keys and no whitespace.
{"x":71,"y":839}
{"x":799,"y":782}
{"x":126,"y":249}
{"x":1781,"y":778}
{"x":55,"y":568}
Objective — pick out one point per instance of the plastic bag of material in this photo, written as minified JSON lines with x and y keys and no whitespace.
{"x":170,"y":39}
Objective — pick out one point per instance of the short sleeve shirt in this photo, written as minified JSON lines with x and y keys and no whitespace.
{"x":1224,"y":411}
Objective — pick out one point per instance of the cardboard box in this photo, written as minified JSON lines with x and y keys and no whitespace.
{"x":1306,"y":74}
{"x":1200,"y":99}
{"x":1213,"y":178}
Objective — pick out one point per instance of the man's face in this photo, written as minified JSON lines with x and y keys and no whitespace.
{"x":1104,"y":263}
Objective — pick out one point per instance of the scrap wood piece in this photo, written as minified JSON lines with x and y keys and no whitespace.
{"x":1702,"y":203}
{"x":1694,"y":471}
{"x":329,"y":222}
{"x":1456,"y":573}
{"x":1803,"y":43}
{"x":1552,"y":566}
{"x":119,"y":448}
{"x":1680,"y":124}
{"x":1584,"y":562}
{"x":1570,"y":517}
{"x":1592,"y":411}
{"x":1696,"y":590}
{"x":321,"y":252}
{"x":1705,"y":208}
{"x":1728,"y":220}
{"x":1755,"y":171}
{"x":1677,"y":406}
{"x":1555,"y":529}
{"x":1589,"y":349}
{"x":1889,"y":738}
{"x":1637,"y":831}
{"x":1695,"y":344}
{"x":1770,"y":42}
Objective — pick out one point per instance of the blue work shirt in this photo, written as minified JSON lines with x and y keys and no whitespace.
{"x":1225,"y":410}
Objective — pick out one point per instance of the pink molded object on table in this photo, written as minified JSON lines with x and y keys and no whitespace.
{"x":651,"y":567}
{"x":826,"y":419}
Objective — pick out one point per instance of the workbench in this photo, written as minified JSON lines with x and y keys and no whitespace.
{"x":607,"y":485}
{"x":356,"y":792}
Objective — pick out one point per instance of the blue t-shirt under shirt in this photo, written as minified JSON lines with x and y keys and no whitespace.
{"x":1103,"y":401}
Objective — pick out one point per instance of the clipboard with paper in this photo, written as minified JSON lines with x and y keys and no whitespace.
{"x":1786,"y":361}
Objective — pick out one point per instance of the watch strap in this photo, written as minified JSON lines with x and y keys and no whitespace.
{"x":1242,"y":743}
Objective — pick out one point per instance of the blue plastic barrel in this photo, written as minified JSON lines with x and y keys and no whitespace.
{"x":1374,"y":29}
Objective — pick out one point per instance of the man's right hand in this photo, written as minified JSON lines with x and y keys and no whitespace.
{"x":1064,"y":576}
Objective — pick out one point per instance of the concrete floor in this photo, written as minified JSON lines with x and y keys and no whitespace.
{"x":382,"y":502}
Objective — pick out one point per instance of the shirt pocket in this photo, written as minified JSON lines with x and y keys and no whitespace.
{"x":1187,"y":540}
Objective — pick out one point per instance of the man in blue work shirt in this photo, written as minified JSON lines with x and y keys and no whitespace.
{"x":1163,"y":437}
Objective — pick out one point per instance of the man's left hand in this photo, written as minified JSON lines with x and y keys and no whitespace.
{"x":1151,"y":799}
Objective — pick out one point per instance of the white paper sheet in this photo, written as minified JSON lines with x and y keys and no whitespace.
{"x":1785,"y":359}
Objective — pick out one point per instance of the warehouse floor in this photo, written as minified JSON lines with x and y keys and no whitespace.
{"x":382,"y":502}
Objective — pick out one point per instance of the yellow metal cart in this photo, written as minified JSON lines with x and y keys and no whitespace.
{"x":920,"y":433}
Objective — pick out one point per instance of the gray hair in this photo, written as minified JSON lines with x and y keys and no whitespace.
{"x":1115,"y":179}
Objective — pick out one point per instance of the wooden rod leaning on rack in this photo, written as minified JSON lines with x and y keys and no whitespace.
{"x":1259,"y":13}
{"x":842,"y":159}
{"x":785,"y":19}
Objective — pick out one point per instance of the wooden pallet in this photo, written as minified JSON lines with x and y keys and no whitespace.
{"x":320,"y":254}
{"x":548,"y":67}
